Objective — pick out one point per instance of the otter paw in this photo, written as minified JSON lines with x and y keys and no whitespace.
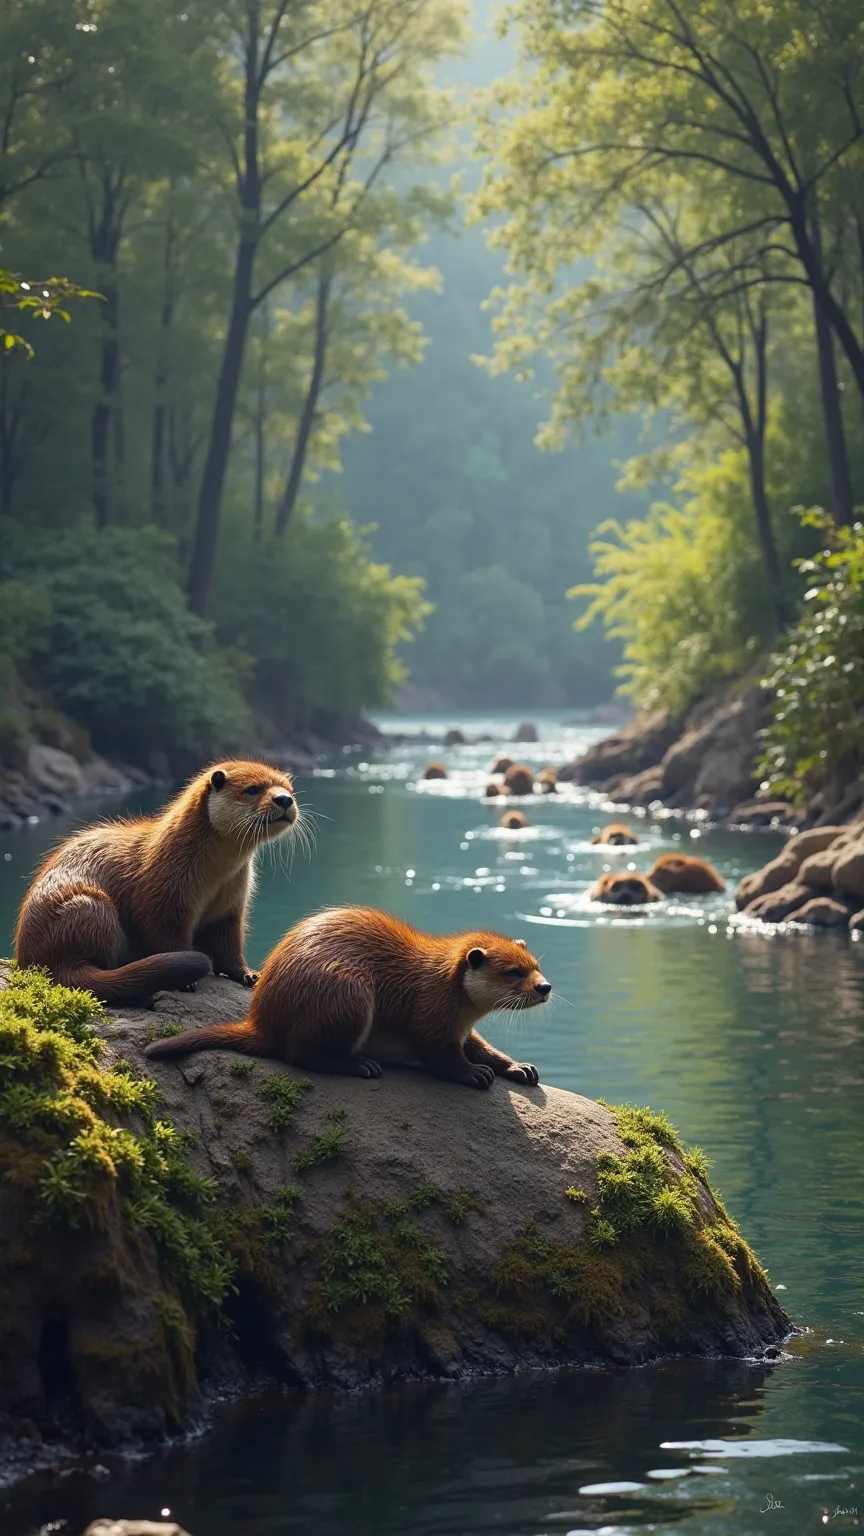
{"x":523,"y":1072}
{"x":366,"y":1067}
{"x":481,"y":1077}
{"x":191,"y":986}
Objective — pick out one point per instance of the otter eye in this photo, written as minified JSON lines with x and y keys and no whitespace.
{"x":253,"y":789}
{"x":515,"y":974}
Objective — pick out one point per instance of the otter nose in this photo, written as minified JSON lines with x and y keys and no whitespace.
{"x":543,"y":988}
{"x":284,"y":801}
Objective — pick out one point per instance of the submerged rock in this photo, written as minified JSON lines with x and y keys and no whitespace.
{"x":348,"y":1232}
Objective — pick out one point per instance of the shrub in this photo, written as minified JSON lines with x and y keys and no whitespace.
{"x":125,"y":656}
{"x":816,"y":732}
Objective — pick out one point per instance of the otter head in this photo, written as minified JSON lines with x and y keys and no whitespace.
{"x":501,"y":975}
{"x":514,"y":821}
{"x":624,"y":890}
{"x":250,"y":803}
{"x":616,"y":835}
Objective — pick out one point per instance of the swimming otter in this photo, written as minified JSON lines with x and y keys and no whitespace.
{"x":616,"y":835}
{"x":548,"y":781}
{"x":681,"y":872}
{"x":492,"y":790}
{"x":501,"y":764}
{"x":626,"y":889}
{"x":514,"y":821}
{"x":434,"y":771}
{"x":165,"y":894}
{"x":352,"y":986}
{"x":519,"y":780}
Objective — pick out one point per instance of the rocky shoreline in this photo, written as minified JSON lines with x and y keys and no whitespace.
{"x":341,"y":1240}
{"x":52,"y":778}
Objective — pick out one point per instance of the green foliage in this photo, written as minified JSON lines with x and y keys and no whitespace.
{"x":816,"y":681}
{"x":59,"y":1110}
{"x":321,"y":621}
{"x":241,"y":1069}
{"x":682,"y":589}
{"x":283,"y":1094}
{"x":39,"y":299}
{"x":122,"y":651}
{"x":323,"y":1148}
{"x":380,"y":1269}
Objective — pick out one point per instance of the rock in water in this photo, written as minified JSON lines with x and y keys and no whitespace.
{"x":354,"y":1232}
{"x":135,"y":1528}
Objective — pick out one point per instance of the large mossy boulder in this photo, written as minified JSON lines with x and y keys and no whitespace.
{"x":173,"y":1226}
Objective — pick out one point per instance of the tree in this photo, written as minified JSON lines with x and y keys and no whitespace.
{"x":327,"y":98}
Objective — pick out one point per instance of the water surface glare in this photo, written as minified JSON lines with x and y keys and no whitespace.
{"x":754,"y":1044}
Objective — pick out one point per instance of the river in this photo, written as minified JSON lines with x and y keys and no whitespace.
{"x":754,"y":1044}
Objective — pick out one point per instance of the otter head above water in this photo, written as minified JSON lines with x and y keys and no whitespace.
{"x":625,"y":890}
{"x":249,"y":803}
{"x":615,"y":835}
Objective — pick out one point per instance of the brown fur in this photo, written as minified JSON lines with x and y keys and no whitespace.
{"x":616,"y":835}
{"x":352,"y":979}
{"x":501,"y":764}
{"x":434,"y":771}
{"x":492,"y":790}
{"x":519,"y":780}
{"x":681,"y":872}
{"x":625,"y":889}
{"x":165,"y":894}
{"x":513,"y":820}
{"x":548,"y":781}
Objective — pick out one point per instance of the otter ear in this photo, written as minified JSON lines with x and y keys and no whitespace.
{"x":521,"y":943}
{"x":476,"y":958}
{"x":218,"y":778}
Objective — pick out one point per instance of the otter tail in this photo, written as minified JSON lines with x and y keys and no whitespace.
{"x":241,"y":1036}
{"x":137,"y":981}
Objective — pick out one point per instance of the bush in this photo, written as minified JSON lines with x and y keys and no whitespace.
{"x":319,"y":620}
{"x":683,"y":589}
{"x":123,"y":654}
{"x":490,"y":638}
{"x":816,"y":733}
{"x":24,"y":612}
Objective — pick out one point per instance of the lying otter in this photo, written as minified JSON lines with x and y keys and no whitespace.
{"x":351,"y":987}
{"x":514,"y":821}
{"x":616,"y":835}
{"x":625,"y":890}
{"x":681,"y":872}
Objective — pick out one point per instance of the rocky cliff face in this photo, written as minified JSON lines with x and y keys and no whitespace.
{"x":234,"y":1220}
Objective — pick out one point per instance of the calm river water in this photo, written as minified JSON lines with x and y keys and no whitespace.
{"x":754,"y":1044}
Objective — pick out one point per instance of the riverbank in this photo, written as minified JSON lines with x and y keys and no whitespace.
{"x":704,"y":762}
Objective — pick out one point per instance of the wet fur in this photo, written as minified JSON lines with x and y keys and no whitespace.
{"x":681,"y":872}
{"x":625,"y":889}
{"x":514,"y":821}
{"x":616,"y":835}
{"x":127,"y":908}
{"x":350,"y":986}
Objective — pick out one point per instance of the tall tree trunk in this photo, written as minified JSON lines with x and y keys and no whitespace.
{"x":754,"y":428}
{"x":202,"y":565}
{"x":100,"y":422}
{"x":160,"y":381}
{"x":261,"y":427}
{"x":310,"y":406}
{"x":823,"y":298}
{"x":842,"y":503}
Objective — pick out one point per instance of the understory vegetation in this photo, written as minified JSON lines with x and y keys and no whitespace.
{"x":677,"y":191}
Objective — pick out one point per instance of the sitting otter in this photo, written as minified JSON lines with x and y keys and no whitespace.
{"x":130,"y":907}
{"x":625,"y":890}
{"x":548,"y":781}
{"x":681,"y":872}
{"x":434,"y":771}
{"x":519,"y":780}
{"x":514,"y":821}
{"x":616,"y":835}
{"x":348,"y":987}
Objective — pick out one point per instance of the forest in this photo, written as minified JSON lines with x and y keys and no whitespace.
{"x":275,"y":448}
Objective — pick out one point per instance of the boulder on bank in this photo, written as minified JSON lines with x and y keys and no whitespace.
{"x":342,"y":1240}
{"x":636,"y":747}
{"x":819,"y":877}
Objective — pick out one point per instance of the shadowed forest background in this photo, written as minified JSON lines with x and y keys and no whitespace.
{"x":288,"y":453}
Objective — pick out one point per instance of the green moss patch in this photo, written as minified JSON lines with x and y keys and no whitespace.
{"x":377,"y":1267}
{"x":283,"y":1094}
{"x":255,"y":1235}
{"x":61,"y":1142}
{"x":323,"y":1148}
